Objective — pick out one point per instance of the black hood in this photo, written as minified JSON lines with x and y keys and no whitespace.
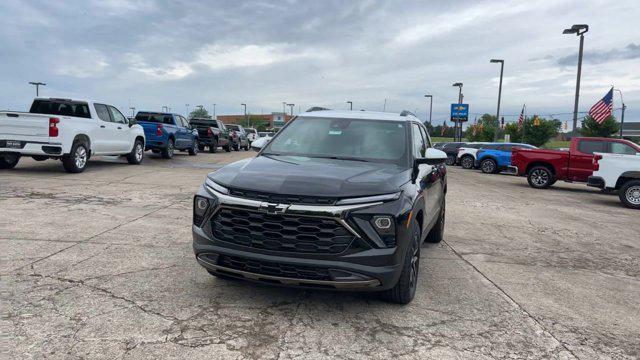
{"x":290,"y":175}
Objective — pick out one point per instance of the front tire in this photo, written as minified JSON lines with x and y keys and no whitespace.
{"x":451,"y":160}
{"x":194,"y":149}
{"x":9,"y":160}
{"x":227,"y":148}
{"x":540,"y":177}
{"x":405,"y":289}
{"x":236,"y":147}
{"x":489,"y":166}
{"x":437,"y":231}
{"x":76,"y":161}
{"x":168,"y":152}
{"x":629,"y":194}
{"x":467,"y":162}
{"x":213,"y":147}
{"x":137,"y":153}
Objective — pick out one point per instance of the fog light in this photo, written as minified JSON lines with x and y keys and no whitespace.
{"x":200,"y":206}
{"x":384,"y":225}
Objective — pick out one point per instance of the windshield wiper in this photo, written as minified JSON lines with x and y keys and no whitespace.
{"x":342,"y":158}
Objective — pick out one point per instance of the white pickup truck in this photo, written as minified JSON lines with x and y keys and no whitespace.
{"x":70,"y":130}
{"x":618,"y":172}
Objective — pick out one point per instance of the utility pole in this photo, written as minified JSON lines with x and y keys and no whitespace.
{"x":579,"y":30}
{"x":350,"y":105}
{"x":624,"y":107}
{"x":501,"y":62}
{"x":430,"y":108}
{"x":37,"y":85}
{"x":384,"y":107}
{"x":245,"y":114}
{"x":291,"y":106}
{"x":214,"y":111}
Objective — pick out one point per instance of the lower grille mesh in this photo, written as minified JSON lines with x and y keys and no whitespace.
{"x":274,"y":269}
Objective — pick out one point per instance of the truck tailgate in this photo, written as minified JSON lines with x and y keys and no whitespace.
{"x":24,"y":126}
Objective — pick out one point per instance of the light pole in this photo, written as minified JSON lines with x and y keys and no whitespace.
{"x":291,"y":106}
{"x":624,"y":107}
{"x":245,"y":113}
{"x":37,"y":85}
{"x":284,"y":109}
{"x":214,"y":111}
{"x":133,"y":111}
{"x":350,"y":105}
{"x":501,"y":62}
{"x":187,"y":106}
{"x":455,"y":133}
{"x":430,"y":108}
{"x":579,"y":30}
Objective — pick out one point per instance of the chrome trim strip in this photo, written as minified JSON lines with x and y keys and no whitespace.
{"x":292,"y":281}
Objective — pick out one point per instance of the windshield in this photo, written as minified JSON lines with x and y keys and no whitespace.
{"x":350,"y":139}
{"x":233,"y":127}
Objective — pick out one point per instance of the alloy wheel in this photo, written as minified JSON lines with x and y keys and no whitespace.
{"x":488,"y":166}
{"x":415,"y":265}
{"x":539,"y":177}
{"x":139,"y":151}
{"x":467,"y":163}
{"x":633,"y":195}
{"x":80,"y":157}
{"x":170,"y":149}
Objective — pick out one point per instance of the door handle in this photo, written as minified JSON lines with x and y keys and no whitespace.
{"x":102,"y":126}
{"x":119,"y":128}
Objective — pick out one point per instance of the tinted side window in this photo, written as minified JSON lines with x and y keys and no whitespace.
{"x":620,"y":148}
{"x":425,"y":136}
{"x":418,"y":143}
{"x":103,"y":113}
{"x":591,"y":146}
{"x":117,"y":115}
{"x":167,"y":119}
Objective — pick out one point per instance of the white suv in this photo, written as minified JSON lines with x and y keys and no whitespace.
{"x":70,"y":130}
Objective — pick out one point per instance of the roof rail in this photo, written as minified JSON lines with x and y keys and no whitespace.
{"x":407,"y":113}
{"x":316,"y":108}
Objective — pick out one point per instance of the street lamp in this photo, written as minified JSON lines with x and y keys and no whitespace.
{"x":350,"y":105}
{"x":501,"y":62}
{"x":460,"y":96}
{"x":133,"y":111}
{"x":430,"y":108}
{"x":245,"y":114}
{"x":37,"y":85}
{"x":214,"y":111}
{"x":624,"y":107}
{"x":291,"y":106}
{"x":187,"y":106}
{"x":579,"y":30}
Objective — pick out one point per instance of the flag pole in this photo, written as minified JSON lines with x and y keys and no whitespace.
{"x":523,"y":122}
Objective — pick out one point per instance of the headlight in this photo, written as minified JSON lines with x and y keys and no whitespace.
{"x":200,"y":207}
{"x":215,"y":186}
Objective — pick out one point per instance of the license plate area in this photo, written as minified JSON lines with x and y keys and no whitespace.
{"x":13,"y":144}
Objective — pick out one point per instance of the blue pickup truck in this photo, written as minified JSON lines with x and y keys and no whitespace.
{"x":167,"y":132}
{"x":496,"y":157}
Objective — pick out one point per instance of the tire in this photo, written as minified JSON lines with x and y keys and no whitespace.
{"x":405,"y":289}
{"x":236,"y":147}
{"x":137,"y":153}
{"x":201,"y":147}
{"x":213,"y":147}
{"x":9,"y":160}
{"x":193,"y":151}
{"x":467,"y":162}
{"x":436,"y":234}
{"x":451,"y":160}
{"x":629,"y":194}
{"x":168,"y":152}
{"x":489,"y":166}
{"x":77,"y":159}
{"x":227,"y":148}
{"x":540,"y":177}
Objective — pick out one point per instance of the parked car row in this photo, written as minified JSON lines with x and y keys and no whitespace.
{"x":611,"y":164}
{"x":75,"y":130}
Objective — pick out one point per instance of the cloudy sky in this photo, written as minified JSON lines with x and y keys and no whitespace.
{"x":153,"y":53}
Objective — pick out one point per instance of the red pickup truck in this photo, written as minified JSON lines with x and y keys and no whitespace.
{"x":544,"y":167}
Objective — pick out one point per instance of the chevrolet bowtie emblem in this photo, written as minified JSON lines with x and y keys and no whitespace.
{"x":273,"y":209}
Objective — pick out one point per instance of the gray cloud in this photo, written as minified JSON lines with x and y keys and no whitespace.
{"x":631,"y":51}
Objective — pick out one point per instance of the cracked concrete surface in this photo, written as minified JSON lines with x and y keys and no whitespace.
{"x":99,"y":265}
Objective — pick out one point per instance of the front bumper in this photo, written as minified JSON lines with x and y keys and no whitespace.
{"x":596,"y":181}
{"x":512,"y":170}
{"x":363,"y":266}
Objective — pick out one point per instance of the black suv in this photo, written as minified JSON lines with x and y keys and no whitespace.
{"x":336,"y":200}
{"x":212,"y":133}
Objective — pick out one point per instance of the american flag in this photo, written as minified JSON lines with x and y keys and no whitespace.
{"x":603,"y":108}
{"x":444,"y":128}
{"x":521,"y":118}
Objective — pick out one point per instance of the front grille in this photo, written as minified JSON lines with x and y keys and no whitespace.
{"x":282,"y":199}
{"x":274,"y":269}
{"x":288,"y":233}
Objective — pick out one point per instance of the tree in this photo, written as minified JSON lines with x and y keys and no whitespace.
{"x":484,"y":130}
{"x":591,"y":128}
{"x":536,"y":133}
{"x":514,"y":131}
{"x":199,"y":112}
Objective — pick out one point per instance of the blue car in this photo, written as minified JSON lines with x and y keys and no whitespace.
{"x":496,"y":157}
{"x":167,"y":132}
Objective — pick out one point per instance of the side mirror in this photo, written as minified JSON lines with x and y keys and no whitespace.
{"x":132,"y":122}
{"x":259,"y":143}
{"x":432,"y":157}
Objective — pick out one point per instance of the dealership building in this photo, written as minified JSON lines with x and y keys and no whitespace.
{"x":274,"y":120}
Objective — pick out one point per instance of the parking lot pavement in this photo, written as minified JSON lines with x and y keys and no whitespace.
{"x":99,"y":265}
